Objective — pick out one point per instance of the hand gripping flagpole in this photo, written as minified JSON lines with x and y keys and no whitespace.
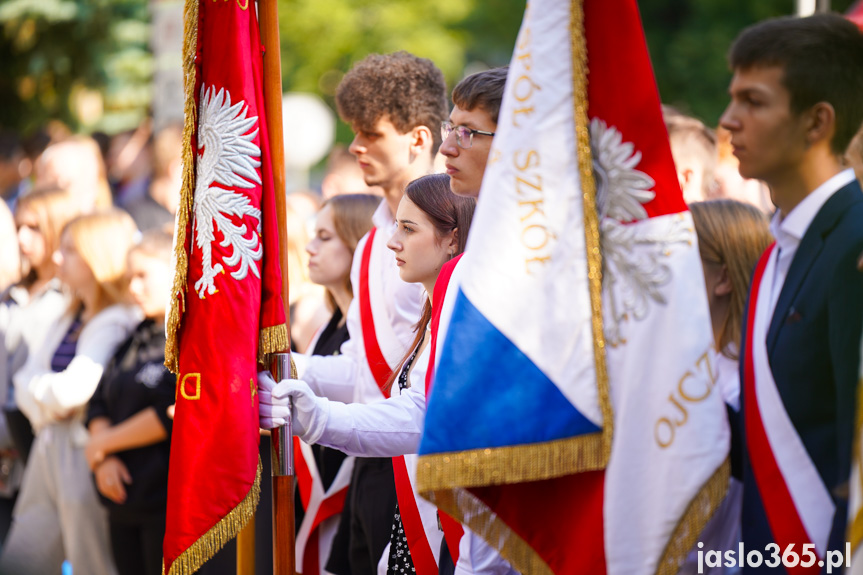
{"x":281,"y":365}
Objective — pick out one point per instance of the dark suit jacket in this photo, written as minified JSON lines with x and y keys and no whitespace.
{"x":813,"y":345}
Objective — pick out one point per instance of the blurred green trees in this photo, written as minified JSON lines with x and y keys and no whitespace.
{"x":86,"y":62}
{"x":688,"y":42}
{"x":79,"y":61}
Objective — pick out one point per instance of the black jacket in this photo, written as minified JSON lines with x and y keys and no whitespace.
{"x":136,"y":379}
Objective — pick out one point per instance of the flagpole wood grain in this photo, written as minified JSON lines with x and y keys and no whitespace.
{"x":283,"y":485}
{"x":246,"y":549}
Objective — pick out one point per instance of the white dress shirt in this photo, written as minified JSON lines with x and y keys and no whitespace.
{"x":347,"y":377}
{"x":790,"y":229}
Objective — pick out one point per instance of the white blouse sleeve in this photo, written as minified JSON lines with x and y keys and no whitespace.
{"x":386,"y":428}
{"x":58,"y":393}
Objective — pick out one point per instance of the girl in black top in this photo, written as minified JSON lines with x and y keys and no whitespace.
{"x":128,"y":421}
{"x":340,"y":225}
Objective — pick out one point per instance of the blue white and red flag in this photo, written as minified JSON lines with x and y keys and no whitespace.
{"x":574,"y":421}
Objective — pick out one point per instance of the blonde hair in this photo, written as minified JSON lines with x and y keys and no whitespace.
{"x":10,"y":258}
{"x":352,"y":219}
{"x":53,"y":209}
{"x":733,"y":234}
{"x":103,"y":239}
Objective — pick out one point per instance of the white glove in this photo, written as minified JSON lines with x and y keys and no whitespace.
{"x":310,"y":413}
{"x":272,"y":413}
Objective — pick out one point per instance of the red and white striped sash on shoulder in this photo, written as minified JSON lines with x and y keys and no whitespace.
{"x":797,"y":503}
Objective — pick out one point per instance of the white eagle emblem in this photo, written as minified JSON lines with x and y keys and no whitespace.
{"x":229,"y":157}
{"x":633,"y":272}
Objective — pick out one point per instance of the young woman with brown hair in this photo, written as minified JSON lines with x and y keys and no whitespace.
{"x":433,"y":224}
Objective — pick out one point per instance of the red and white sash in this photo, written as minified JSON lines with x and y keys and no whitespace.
{"x":380,"y":368}
{"x":443,"y":299}
{"x":797,"y":503}
{"x":423,"y":557}
{"x":315,"y":536}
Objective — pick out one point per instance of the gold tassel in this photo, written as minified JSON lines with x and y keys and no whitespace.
{"x":511,"y":464}
{"x":272,"y":339}
{"x":697,"y":514}
{"x":855,"y":528}
{"x":591,"y":217}
{"x":213,"y":540}
{"x":187,"y":192}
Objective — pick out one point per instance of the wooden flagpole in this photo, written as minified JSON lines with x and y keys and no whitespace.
{"x":283,"y":480}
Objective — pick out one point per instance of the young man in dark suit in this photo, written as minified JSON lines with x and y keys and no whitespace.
{"x":795,"y":106}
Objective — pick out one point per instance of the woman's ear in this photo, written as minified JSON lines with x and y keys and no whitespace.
{"x":723,"y":287}
{"x":453,"y":243}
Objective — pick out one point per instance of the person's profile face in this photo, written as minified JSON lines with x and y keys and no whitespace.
{"x":329,"y":258}
{"x":31,"y":240}
{"x":72,"y":269}
{"x":467,"y":166}
{"x":418,"y":250}
{"x":150,"y":281}
{"x":767,"y":138}
{"x":382,"y":152}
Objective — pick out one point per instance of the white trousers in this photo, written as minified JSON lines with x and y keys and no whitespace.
{"x":58,"y":515}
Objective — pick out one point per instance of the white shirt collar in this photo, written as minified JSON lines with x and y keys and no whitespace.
{"x":790,"y":229}
{"x":383,"y":218}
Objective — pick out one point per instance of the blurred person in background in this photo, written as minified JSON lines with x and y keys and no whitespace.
{"x":129,"y":164}
{"x":58,"y":515}
{"x":341,"y":223}
{"x":732,"y":235}
{"x":127,"y":417}
{"x":12,"y":181}
{"x":32,"y":306}
{"x":308,"y":308}
{"x":693,"y":146}
{"x":76,"y":165}
{"x":344,"y":175}
{"x":157,"y":207}
{"x":10,"y":259}
{"x":734,"y":186}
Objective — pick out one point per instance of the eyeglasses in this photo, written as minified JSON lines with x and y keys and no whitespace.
{"x":463,"y":134}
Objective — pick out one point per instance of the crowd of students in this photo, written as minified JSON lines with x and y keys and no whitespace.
{"x":793,"y":112}
{"x":85,"y":424}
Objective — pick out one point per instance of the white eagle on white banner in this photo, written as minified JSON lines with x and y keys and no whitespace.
{"x":227,"y":156}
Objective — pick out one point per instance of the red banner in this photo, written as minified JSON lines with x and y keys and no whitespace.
{"x":228,"y":310}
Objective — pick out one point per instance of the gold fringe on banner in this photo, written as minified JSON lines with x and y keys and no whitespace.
{"x":471,"y":511}
{"x":272,"y":340}
{"x":591,"y":216}
{"x":511,"y":464}
{"x":691,"y":524}
{"x":213,"y":540}
{"x":187,"y":192}
{"x":855,"y":528}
